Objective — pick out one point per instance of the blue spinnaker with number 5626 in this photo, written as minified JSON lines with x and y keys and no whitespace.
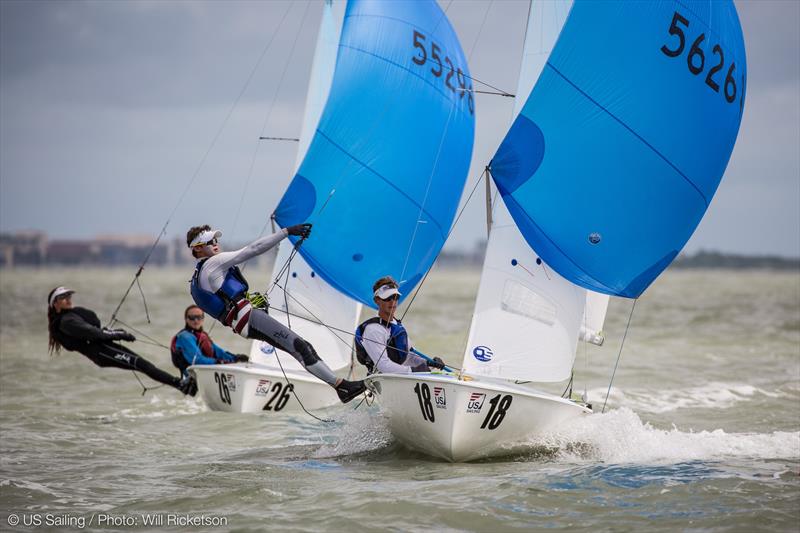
{"x":621,"y":144}
{"x":384,"y":172}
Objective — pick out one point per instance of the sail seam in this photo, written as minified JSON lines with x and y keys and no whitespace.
{"x":398,"y":65}
{"x":392,"y":185}
{"x":624,"y":125}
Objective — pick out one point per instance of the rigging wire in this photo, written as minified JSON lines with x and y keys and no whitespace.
{"x":619,"y":354}
{"x":427,"y":191}
{"x":458,"y":217}
{"x":270,"y":108}
{"x":196,"y":173}
{"x":480,"y":30}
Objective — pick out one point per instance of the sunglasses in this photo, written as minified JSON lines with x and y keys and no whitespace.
{"x":391,"y":298}
{"x":212,"y":242}
{"x":195,"y":317}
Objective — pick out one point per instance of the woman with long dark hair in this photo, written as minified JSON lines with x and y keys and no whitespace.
{"x":78,"y":329}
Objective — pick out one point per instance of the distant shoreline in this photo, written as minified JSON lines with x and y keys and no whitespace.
{"x":699,"y":261}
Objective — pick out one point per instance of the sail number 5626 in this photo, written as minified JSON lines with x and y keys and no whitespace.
{"x":442,"y":67}
{"x":696,"y":59}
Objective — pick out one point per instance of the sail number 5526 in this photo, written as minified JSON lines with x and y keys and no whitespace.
{"x":442,"y":67}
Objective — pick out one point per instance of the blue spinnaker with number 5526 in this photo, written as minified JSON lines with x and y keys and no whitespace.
{"x":623,"y":141}
{"x":384,"y":172}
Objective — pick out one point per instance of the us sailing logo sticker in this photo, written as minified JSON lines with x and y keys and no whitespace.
{"x":482,"y":353}
{"x":263,"y":387}
{"x":439,"y":397}
{"x":475,"y":402}
{"x":231,"y":382}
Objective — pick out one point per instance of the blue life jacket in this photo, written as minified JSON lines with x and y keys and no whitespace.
{"x":396,"y":348}
{"x":219,"y":304}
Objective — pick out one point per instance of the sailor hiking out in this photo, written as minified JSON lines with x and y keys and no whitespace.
{"x":78,"y":329}
{"x":219,"y":288}
{"x":382,"y":343}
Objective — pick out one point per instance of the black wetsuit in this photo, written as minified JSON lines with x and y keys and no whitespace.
{"x":78,"y":330}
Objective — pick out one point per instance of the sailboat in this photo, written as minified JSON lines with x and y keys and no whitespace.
{"x":626,"y":117}
{"x":387,"y":136}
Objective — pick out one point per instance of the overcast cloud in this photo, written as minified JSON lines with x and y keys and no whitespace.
{"x":107,"y":109}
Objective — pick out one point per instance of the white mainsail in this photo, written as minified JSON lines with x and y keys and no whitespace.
{"x":594,"y":316}
{"x":527,"y":318}
{"x":310,"y":299}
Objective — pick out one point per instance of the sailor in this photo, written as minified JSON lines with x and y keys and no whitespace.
{"x":382,"y":343}
{"x":219,"y":288}
{"x":193,"y":346}
{"x":78,"y":329}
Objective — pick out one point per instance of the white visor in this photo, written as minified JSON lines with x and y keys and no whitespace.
{"x":60,"y":291}
{"x":385,"y":291}
{"x":205,"y":237}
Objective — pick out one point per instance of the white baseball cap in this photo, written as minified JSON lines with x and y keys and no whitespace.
{"x":205,"y":237}
{"x":58,"y":291}
{"x":385,"y":291}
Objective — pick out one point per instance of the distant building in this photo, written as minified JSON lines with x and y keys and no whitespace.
{"x":34,"y":249}
{"x":23,"y":248}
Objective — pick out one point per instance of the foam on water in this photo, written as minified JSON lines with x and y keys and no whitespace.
{"x":620,"y":436}
{"x":159,"y":407}
{"x":357,"y":434}
{"x":714,"y":395}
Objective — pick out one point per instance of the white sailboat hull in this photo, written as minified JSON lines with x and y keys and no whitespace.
{"x":470,"y":419}
{"x":254,"y":388}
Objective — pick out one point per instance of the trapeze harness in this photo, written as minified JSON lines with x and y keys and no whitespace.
{"x":227,"y":302}
{"x":105,"y":353}
{"x":396,"y":347}
{"x":203,"y":341}
{"x":77,"y":344}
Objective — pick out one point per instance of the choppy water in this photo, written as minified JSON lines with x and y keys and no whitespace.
{"x":701,"y":432}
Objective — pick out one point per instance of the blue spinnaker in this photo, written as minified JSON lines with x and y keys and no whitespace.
{"x":384,"y":172}
{"x":612,"y":162}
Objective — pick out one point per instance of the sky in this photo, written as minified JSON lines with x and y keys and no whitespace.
{"x":109,"y":110}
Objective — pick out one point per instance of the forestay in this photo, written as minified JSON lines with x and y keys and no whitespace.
{"x":527,"y":317}
{"x":310,"y":299}
{"x":384,"y":171}
{"x":623,"y":141}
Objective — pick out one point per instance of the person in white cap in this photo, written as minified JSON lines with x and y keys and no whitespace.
{"x":219,"y":288}
{"x":78,"y":329}
{"x":382,"y":343}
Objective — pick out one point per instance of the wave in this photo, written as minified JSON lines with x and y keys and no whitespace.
{"x":356,"y":435}
{"x":714,"y":395}
{"x":620,"y":436}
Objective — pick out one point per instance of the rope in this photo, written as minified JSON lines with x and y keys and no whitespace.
{"x":197,"y":170}
{"x":458,"y":217}
{"x":619,"y":354}
{"x":269,"y":111}
{"x":141,"y":333}
{"x":296,"y":397}
{"x":427,"y":191}
{"x":289,"y":325}
{"x":135,"y":279}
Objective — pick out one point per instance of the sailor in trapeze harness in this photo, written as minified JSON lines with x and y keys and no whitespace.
{"x":78,"y":329}
{"x":219,"y":288}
